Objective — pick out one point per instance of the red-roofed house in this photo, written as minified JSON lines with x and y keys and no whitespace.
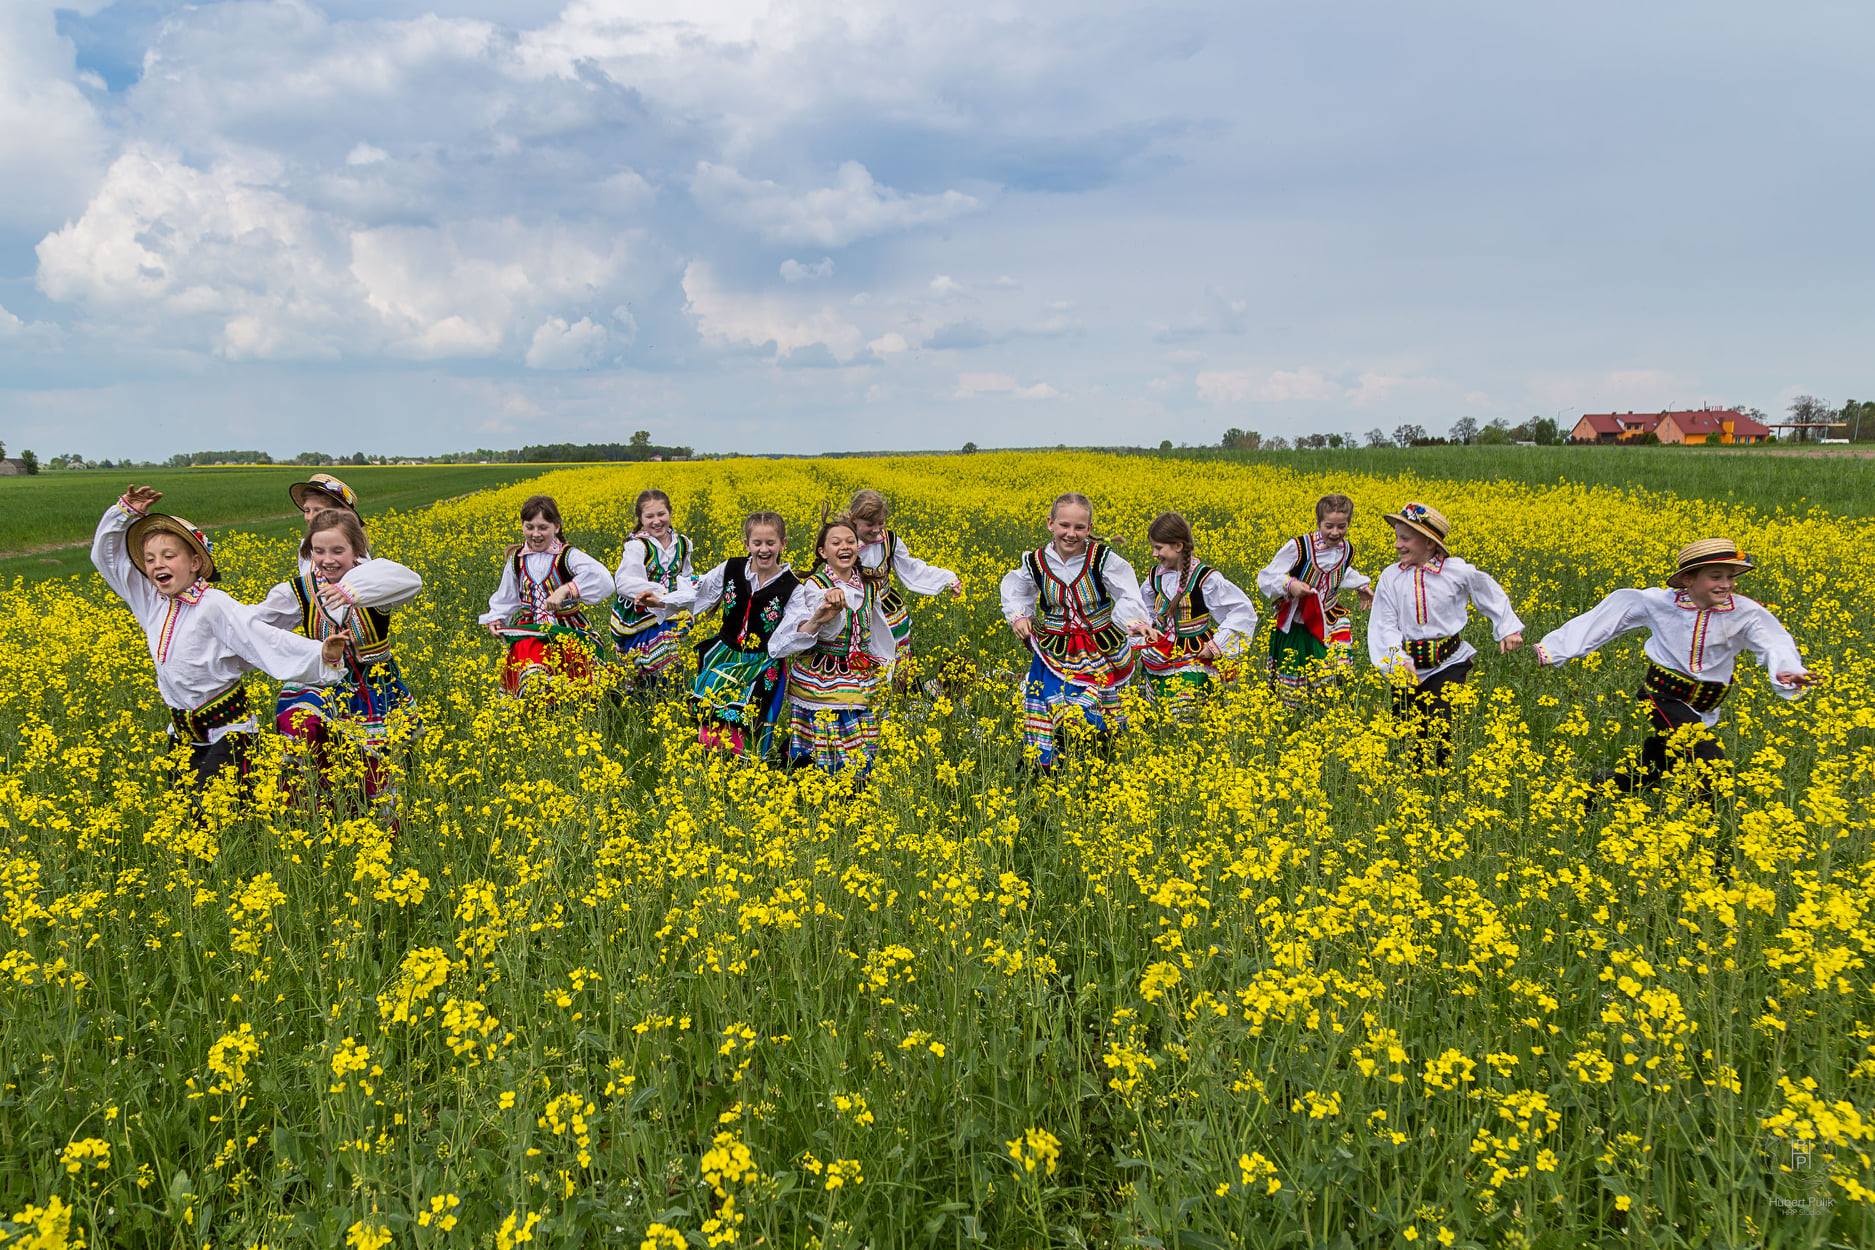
{"x":1691,"y":426}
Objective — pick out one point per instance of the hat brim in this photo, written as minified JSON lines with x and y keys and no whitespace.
{"x":1422,"y":531}
{"x":1738,"y":567}
{"x":298,"y":491}
{"x":145,"y":527}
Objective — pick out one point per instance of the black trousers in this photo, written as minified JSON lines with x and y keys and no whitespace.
{"x":1430,"y":706}
{"x":207,"y":759}
{"x":1657,"y":759}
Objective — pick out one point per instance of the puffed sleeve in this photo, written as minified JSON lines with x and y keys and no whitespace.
{"x":1621,"y":613}
{"x":1235,"y":615}
{"x":280,"y":608}
{"x":506,"y":601}
{"x":379,"y":583}
{"x":1019,"y":593}
{"x":1352,"y":578}
{"x":1767,"y":639}
{"x":1385,"y":638}
{"x":707,"y":591}
{"x":1274,"y":578}
{"x":111,"y":557}
{"x":917,"y":576}
{"x":630,"y":578}
{"x":275,"y":652}
{"x":590,"y":578}
{"x":1129,"y":607}
{"x":792,"y":636}
{"x":1491,"y":600}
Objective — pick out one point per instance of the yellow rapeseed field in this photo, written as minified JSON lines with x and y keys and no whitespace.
{"x":1254,"y":981}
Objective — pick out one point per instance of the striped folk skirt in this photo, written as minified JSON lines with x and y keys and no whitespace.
{"x":1050,"y":700}
{"x":831,"y":738}
{"x":361,"y":703}
{"x":651,"y":651}
{"x":742,"y":690}
{"x":1302,"y":665}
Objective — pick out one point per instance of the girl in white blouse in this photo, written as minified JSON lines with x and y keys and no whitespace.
{"x":1420,"y":606}
{"x":201,"y":641}
{"x":1199,"y":616}
{"x":654,"y":584}
{"x":885,"y":558}
{"x":539,"y":607}
{"x":1312,"y":632}
{"x":1696,"y":629}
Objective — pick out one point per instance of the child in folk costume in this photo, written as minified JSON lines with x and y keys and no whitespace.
{"x":740,"y":688}
{"x":1312,"y":635}
{"x":539,"y":605}
{"x":1697,"y":627}
{"x":315,"y":495}
{"x":884,"y":557}
{"x":201,"y":640}
{"x":1420,"y":607}
{"x":653,"y":568}
{"x":1198,"y":616}
{"x":343,"y":592}
{"x":838,"y":645}
{"x":1074,"y":602}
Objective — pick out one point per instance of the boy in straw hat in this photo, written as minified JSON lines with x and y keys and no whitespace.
{"x":201,"y":640}
{"x":1696,"y":628}
{"x":1420,"y":607}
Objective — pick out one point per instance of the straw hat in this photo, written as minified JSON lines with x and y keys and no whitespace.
{"x":1423,"y":520}
{"x":325,"y":484}
{"x":144,"y":527}
{"x":1709,"y":553}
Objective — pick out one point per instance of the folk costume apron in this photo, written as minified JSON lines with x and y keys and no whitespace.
{"x":642,"y":639}
{"x":833,"y":687}
{"x":1185,"y":625}
{"x":543,"y":643}
{"x":1313,"y":638}
{"x":891,"y":602}
{"x":1082,"y":659}
{"x":740,"y":688}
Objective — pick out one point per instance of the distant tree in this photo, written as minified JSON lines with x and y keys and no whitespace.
{"x":1165,"y":444}
{"x":358,"y":457}
{"x":1407,"y":435}
{"x":970,"y":449}
{"x":1860,"y":416}
{"x":1465,"y":430}
{"x":1376,"y":438}
{"x":1808,"y":410}
{"x":1311,"y":442}
{"x":1337,"y":440}
{"x":1276,"y":443}
{"x":3,"y":449}
{"x":641,"y":441}
{"x":29,"y":462}
{"x":1241,"y":440}
{"x":1496,"y":434}
{"x":1544,"y":432}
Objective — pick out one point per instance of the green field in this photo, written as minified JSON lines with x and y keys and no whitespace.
{"x":1842,"y":481}
{"x":46,"y":521}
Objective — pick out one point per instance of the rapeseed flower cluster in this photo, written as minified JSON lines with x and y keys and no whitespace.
{"x":1212,"y":982}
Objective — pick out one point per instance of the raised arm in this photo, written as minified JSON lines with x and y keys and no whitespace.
{"x":917,"y":576}
{"x":1620,"y":613}
{"x":111,"y":557}
{"x":707,"y":592}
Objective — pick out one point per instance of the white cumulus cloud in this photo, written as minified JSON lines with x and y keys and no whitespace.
{"x":854,"y":207}
{"x":741,"y":319}
{"x":794,"y":271}
{"x":558,"y":345}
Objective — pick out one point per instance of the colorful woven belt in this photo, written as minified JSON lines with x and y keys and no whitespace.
{"x":1431,"y":652}
{"x":1701,"y":696}
{"x":227,"y":708}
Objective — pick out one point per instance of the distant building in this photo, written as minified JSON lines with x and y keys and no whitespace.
{"x":9,"y":467}
{"x":1692,"y":427}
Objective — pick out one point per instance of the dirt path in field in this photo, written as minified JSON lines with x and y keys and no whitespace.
{"x":45,"y":549}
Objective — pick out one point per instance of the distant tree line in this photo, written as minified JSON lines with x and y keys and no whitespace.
{"x":640,"y":447}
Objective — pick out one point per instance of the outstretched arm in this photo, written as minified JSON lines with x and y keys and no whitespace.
{"x":1622,"y":612}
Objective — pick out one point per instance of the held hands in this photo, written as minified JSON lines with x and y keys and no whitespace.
{"x":141,"y":499}
{"x":1799,"y":680}
{"x":1209,"y":651}
{"x":561,"y":594}
{"x":332,"y":650}
{"x":831,"y":603}
{"x":648,"y":599}
{"x":1366,"y":597}
{"x":1509,"y":643}
{"x":1023,"y":627}
{"x":957,"y":589}
{"x":334,"y":598}
{"x":1296,"y":588}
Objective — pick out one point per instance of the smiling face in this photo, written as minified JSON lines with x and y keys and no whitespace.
{"x":869,"y":531}
{"x":538,"y":532}
{"x":764,"y":544}
{"x":1071,"y":524}
{"x":655,"y":519}
{"x":1413,"y":547}
{"x":840,"y":549}
{"x":1712,"y":586}
{"x":332,"y":555}
{"x":171,"y":564}
{"x":1334,"y":526}
{"x":1169,"y":555}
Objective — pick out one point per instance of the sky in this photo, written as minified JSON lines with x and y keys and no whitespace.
{"x":408,"y":227}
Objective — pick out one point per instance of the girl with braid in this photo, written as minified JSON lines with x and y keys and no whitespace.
{"x":1312,"y":638}
{"x":1198,"y":616}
